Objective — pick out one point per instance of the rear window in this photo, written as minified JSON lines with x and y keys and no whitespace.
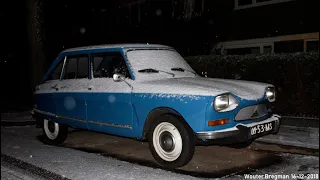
{"x":56,"y":73}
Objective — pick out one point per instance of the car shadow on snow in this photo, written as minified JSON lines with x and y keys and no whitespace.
{"x":208,"y":161}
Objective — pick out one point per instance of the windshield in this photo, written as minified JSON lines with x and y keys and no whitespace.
{"x":158,"y":59}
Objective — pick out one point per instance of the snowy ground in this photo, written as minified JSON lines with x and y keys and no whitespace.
{"x":23,"y":144}
{"x":305,"y":137}
{"x":291,"y":165}
{"x":11,"y":172}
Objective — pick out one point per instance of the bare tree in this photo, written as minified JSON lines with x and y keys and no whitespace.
{"x":35,"y":32}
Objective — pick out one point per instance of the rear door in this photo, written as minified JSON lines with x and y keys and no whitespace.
{"x":44,"y":93}
{"x":70,"y":92}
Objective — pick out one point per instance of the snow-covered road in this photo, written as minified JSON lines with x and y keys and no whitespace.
{"x":22,"y":143}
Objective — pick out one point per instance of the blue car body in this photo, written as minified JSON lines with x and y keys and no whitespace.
{"x":124,"y":108}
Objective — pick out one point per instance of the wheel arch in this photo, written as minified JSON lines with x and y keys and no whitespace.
{"x":156,"y":112}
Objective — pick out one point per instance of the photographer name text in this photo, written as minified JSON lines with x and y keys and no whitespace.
{"x":281,"y":176}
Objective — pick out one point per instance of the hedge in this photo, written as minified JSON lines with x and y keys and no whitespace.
{"x":295,"y":76}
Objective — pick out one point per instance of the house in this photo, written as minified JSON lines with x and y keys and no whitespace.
{"x":305,"y":42}
{"x":264,"y":26}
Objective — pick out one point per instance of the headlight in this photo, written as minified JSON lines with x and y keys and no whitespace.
{"x":271,"y":94}
{"x":225,"y":102}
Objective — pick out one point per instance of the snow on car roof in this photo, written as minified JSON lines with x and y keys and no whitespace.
{"x":106,"y":46}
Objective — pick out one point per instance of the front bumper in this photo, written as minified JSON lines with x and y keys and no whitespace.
{"x":241,"y":132}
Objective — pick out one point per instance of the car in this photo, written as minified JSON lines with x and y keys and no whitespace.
{"x":150,"y":93}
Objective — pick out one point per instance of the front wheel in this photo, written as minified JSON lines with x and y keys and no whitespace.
{"x":171,"y":141}
{"x":54,"y":132}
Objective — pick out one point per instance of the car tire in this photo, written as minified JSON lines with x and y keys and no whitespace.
{"x":171,"y":141}
{"x":54,"y":132}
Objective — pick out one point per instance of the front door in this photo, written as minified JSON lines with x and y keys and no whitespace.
{"x":109,"y":105}
{"x":70,"y":92}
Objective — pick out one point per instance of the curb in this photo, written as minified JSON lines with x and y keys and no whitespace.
{"x":287,"y":144}
{"x":300,"y":121}
{"x":286,"y":135}
{"x":280,"y":148}
{"x":31,"y":168}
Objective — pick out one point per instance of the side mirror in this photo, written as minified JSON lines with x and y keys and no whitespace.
{"x":118,"y":77}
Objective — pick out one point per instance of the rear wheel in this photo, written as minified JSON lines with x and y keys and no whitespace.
{"x":171,"y":141}
{"x":54,"y":132}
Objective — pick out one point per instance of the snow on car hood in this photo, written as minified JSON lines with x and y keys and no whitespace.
{"x":203,"y":86}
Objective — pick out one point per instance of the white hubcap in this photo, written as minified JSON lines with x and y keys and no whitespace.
{"x":51,"y":129}
{"x":167,"y":141}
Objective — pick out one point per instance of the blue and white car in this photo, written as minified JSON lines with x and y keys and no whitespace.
{"x":149,"y":92}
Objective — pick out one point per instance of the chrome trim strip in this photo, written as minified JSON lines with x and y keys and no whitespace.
{"x":109,"y":124}
{"x":45,"y":113}
{"x":74,"y":119}
{"x":216,"y":135}
{"x":63,"y":67}
{"x":57,"y":116}
{"x":82,"y":120}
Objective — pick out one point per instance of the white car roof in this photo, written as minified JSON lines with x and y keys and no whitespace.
{"x":106,"y":46}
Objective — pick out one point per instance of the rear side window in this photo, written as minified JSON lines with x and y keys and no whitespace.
{"x":107,"y":64}
{"x":76,"y":67}
{"x":56,"y":73}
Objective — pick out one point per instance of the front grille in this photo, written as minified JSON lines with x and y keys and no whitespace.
{"x":252,"y":112}
{"x":255,"y":114}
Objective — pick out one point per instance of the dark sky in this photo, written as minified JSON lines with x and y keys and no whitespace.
{"x":115,"y":22}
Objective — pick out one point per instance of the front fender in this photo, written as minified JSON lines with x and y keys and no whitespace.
{"x":192,"y":108}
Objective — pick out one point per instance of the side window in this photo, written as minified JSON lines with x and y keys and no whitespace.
{"x":107,"y":64}
{"x":55,"y":74}
{"x":76,"y":67}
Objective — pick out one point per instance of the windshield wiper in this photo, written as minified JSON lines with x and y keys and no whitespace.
{"x":151,"y":70}
{"x":182,"y":70}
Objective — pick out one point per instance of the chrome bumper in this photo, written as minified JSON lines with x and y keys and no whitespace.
{"x":240,"y":130}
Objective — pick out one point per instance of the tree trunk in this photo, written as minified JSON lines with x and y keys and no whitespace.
{"x":36,"y":56}
{"x":183,"y":9}
{"x":188,"y":9}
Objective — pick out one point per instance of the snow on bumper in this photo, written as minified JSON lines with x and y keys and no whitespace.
{"x":242,"y":132}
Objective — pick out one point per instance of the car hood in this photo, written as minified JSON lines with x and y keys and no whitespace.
{"x":203,"y":86}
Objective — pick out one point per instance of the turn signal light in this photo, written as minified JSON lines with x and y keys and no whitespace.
{"x":218,"y":122}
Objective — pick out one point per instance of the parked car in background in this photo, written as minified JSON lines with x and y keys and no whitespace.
{"x":149,"y":92}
